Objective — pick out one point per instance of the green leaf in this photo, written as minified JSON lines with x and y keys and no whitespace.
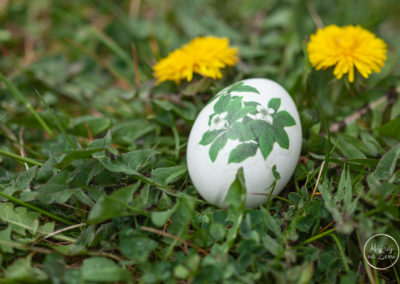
{"x":242,"y":112}
{"x":234,"y":108}
{"x":236,"y":196}
{"x":160,"y":218}
{"x":96,"y":125}
{"x":221,"y":104}
{"x":104,"y":142}
{"x":266,"y":141}
{"x":84,"y":173}
{"x":47,"y":170}
{"x":51,"y":69}
{"x":77,"y":155}
{"x":186,"y":110}
{"x":22,"y":271}
{"x":281,"y":137}
{"x":164,"y":202}
{"x":234,"y":105}
{"x":370,"y":163}
{"x":182,"y":216}
{"x":57,"y":146}
{"x":72,"y":276}
{"x":235,"y":200}
{"x":330,"y":204}
{"x":258,"y":127}
{"x":5,"y":35}
{"x":47,"y":228}
{"x":217,"y":146}
{"x":19,"y":219}
{"x":351,"y":151}
{"x":113,"y":205}
{"x":56,"y":189}
{"x":54,"y":193}
{"x":390,"y":129}
{"x":181,"y":272}
{"x":5,"y":236}
{"x":251,"y":104}
{"x":168,"y":175}
{"x":23,"y":181}
{"x":345,"y":189}
{"x":217,"y":231}
{"x":134,"y":246}
{"x":241,"y":130}
{"x":307,"y":273}
{"x":241,"y":87}
{"x":271,"y":244}
{"x":127,"y":133}
{"x":352,"y":147}
{"x":209,"y":136}
{"x":236,"y":130}
{"x":54,"y":266}
{"x":350,"y":277}
{"x":341,"y":210}
{"x":275,"y":173}
{"x":165,"y":118}
{"x":305,"y":222}
{"x":284,"y":119}
{"x":180,"y":220}
{"x":272,"y":224}
{"x":102,"y":269}
{"x":274,"y":104}
{"x":129,"y":162}
{"x":242,"y":152}
{"x":387,"y":163}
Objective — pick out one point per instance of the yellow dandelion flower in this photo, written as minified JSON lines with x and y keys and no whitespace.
{"x":203,"y":55}
{"x":346,"y":47}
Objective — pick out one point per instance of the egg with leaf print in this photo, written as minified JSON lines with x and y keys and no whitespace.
{"x":252,"y":124}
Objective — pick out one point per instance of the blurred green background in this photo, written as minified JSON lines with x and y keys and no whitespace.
{"x":40,"y":38}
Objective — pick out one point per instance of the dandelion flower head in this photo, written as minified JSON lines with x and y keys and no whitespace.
{"x":346,"y":48}
{"x":203,"y":55}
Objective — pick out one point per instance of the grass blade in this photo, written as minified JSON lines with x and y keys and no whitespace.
{"x":113,"y":46}
{"x":328,"y":141}
{"x":342,"y":254}
{"x":20,"y":158}
{"x":37,"y":209}
{"x":21,"y":97}
{"x":57,"y":121}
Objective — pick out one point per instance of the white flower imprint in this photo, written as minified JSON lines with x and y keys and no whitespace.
{"x":218,"y":121}
{"x":265,"y":114}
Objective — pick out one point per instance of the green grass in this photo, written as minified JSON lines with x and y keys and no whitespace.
{"x":93,"y":179}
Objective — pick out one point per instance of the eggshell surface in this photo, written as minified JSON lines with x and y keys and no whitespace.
{"x":253,"y":124}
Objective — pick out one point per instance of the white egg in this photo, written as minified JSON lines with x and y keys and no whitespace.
{"x":253,"y":124}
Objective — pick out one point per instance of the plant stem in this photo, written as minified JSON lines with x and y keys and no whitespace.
{"x":37,"y":209}
{"x":366,"y":266}
{"x":177,"y":141}
{"x":310,"y":240}
{"x":24,"y":247}
{"x":20,"y":158}
{"x":396,"y":274}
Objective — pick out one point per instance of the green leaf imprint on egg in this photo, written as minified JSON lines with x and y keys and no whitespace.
{"x":254,"y":125}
